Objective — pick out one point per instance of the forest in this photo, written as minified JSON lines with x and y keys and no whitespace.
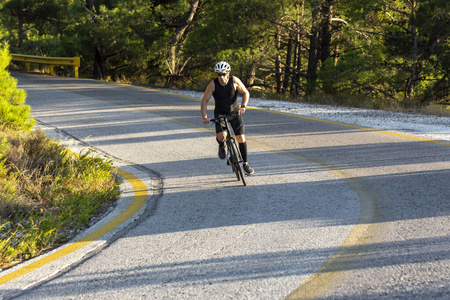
{"x":384,"y":54}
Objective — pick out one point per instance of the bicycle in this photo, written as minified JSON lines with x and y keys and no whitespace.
{"x":234,"y":156}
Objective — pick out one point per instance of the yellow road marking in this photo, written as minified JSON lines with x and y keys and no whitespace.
{"x":140,"y":198}
{"x":362,"y":231}
{"x":333,"y":269}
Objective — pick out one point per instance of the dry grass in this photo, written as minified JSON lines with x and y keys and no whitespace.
{"x":46,"y":193}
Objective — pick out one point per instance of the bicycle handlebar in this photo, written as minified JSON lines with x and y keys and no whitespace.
{"x":227,"y":116}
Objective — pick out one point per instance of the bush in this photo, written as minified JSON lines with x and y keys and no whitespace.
{"x":47,"y":193}
{"x":14,"y":113}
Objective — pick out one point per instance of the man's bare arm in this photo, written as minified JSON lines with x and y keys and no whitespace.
{"x":206,"y":96}
{"x":240,"y":87}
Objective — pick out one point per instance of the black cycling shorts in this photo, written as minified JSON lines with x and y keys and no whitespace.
{"x":237,"y":124}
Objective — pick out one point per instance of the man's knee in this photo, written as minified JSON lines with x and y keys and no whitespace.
{"x":221,"y":136}
{"x":240,"y":138}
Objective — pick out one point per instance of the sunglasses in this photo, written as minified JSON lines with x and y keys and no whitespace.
{"x":221,"y":74}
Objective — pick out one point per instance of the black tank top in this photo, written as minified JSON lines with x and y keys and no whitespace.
{"x":225,"y":97}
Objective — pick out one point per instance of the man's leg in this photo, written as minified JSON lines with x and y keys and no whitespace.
{"x":239,"y":130}
{"x":243,"y":149}
{"x":220,"y":137}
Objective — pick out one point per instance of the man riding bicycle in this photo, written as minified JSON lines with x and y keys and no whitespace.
{"x":225,"y":89}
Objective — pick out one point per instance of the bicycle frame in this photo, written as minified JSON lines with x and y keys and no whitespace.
{"x":234,"y":156}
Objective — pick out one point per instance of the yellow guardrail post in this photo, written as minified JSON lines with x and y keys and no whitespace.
{"x":59,"y":61}
{"x":77,"y":65}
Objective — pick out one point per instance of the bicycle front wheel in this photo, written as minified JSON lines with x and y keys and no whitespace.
{"x":235,"y":162}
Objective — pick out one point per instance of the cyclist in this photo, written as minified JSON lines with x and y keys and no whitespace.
{"x":225,"y":89}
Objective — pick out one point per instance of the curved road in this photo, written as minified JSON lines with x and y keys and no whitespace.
{"x":333,"y":212}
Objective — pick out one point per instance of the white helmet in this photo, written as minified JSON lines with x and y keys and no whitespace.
{"x":222,"y":66}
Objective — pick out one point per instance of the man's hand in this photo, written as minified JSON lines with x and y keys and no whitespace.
{"x":241,"y":110}
{"x":206,"y":120}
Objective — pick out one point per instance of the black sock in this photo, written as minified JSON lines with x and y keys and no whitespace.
{"x":243,"y":149}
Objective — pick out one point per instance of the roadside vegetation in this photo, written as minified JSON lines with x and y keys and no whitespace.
{"x":47,"y":193}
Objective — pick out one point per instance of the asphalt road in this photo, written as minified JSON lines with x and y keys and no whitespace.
{"x":332,"y":212}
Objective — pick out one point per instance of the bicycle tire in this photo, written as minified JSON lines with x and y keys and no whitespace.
{"x":232,"y":158}
{"x":237,"y":167}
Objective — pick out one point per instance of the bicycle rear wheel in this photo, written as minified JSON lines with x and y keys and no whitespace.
{"x":235,"y":161}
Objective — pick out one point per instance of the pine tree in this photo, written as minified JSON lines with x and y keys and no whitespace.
{"x":14,"y":114}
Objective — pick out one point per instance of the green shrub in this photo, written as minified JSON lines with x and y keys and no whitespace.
{"x":14,"y":113}
{"x":47,"y":193}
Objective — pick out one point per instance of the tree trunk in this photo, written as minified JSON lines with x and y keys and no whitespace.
{"x":99,"y":70}
{"x":178,"y":38}
{"x":336,"y":46}
{"x":409,"y":93}
{"x":251,"y":74}
{"x":295,"y":77}
{"x":287,"y":70}
{"x":311,"y":74}
{"x":277,"y":62}
{"x":299,"y":44}
{"x":410,"y":86}
{"x":99,"y":63}
{"x":21,"y":31}
{"x":325,"y":30}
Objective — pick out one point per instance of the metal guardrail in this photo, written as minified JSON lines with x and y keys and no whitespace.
{"x":60,"y":61}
